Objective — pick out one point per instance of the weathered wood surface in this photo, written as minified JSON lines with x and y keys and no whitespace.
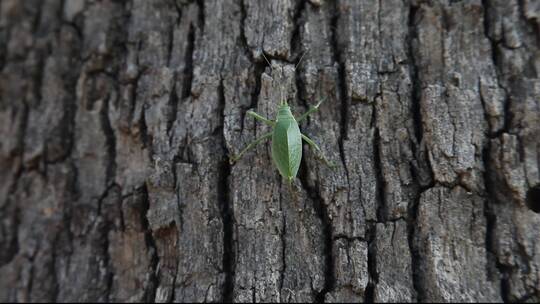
{"x":116,"y":119}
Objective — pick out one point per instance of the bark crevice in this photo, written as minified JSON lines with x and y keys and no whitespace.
{"x":491,"y":238}
{"x":226,"y":211}
{"x":416,"y":109}
{"x":110,"y":140}
{"x":150,"y":293}
{"x":370,"y":296}
{"x":322,"y":213}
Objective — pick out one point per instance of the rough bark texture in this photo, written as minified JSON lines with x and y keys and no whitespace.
{"x":116,"y":119}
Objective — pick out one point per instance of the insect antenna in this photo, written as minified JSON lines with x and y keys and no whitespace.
{"x":283,"y":101}
{"x":300,"y":61}
{"x":269,"y":64}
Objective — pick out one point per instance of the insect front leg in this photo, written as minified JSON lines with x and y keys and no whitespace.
{"x":313,"y":145}
{"x":261,"y":118}
{"x":253,"y":144}
{"x":310,"y":111}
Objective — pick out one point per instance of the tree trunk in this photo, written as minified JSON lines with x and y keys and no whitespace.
{"x":117,"y":119}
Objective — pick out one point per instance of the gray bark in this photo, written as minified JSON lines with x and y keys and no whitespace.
{"x":117,"y":117}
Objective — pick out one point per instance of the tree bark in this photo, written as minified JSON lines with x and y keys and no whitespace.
{"x":117,"y":119}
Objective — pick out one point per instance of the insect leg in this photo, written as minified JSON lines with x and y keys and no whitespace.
{"x":313,"y":145}
{"x":299,"y":61}
{"x":250,"y":146}
{"x":310,"y":111}
{"x":261,"y":118}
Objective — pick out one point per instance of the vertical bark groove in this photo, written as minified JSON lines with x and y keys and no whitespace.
{"x":327,"y":239}
{"x":226,"y":215}
{"x":372,"y":264}
{"x":150,"y":242}
{"x":419,"y":134}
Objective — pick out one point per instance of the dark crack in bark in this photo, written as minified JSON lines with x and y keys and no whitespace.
{"x":226,"y":211}
{"x":149,"y":294}
{"x":295,"y":43}
{"x":243,"y":38}
{"x":201,"y":17}
{"x":173,"y":109}
{"x":419,"y":134}
{"x":188,"y":61}
{"x":491,"y":238}
{"x":381,"y":184}
{"x":322,"y":214}
{"x":369,"y":296}
{"x":110,"y":142}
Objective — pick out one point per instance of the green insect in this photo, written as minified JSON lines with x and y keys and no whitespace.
{"x":286,"y":139}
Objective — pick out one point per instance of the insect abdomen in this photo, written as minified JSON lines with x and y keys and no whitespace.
{"x":287,"y":147}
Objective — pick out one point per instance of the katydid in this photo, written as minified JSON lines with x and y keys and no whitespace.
{"x":286,"y":139}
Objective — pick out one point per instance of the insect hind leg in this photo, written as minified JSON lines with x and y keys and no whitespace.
{"x":313,"y":145}
{"x":310,"y":111}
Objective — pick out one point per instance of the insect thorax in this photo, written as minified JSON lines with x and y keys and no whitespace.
{"x":284,"y":112}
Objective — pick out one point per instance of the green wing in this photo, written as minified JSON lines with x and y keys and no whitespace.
{"x":295,"y":148}
{"x":287,"y":148}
